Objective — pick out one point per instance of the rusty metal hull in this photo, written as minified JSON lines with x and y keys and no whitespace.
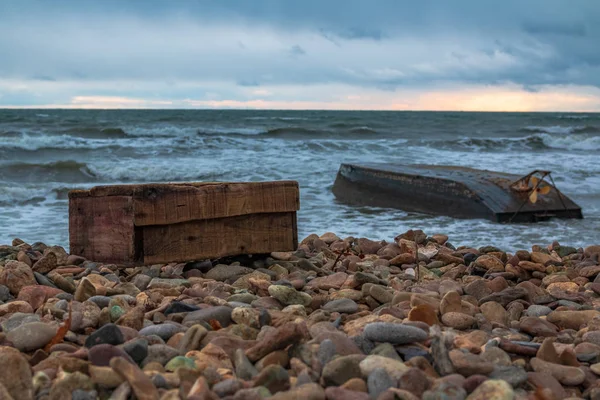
{"x":447,"y":190}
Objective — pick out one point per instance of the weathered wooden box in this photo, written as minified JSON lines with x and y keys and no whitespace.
{"x":161,"y":223}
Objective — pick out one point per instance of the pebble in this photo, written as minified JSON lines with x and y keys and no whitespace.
{"x":296,"y":326}
{"x":341,"y":305}
{"x":31,"y":336}
{"x":394,"y":333}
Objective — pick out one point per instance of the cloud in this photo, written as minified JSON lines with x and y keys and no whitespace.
{"x":296,"y":50}
{"x":217,"y":51}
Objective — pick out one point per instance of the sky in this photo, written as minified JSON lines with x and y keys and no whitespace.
{"x":466,"y":55}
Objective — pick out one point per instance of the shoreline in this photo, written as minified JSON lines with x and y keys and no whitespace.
{"x":336,"y":319}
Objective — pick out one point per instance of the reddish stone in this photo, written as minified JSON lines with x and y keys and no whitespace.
{"x":37,"y":295}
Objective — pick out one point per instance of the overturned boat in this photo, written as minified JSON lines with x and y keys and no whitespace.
{"x":455,"y":191}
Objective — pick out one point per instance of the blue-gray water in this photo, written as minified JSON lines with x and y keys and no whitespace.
{"x":45,"y":153}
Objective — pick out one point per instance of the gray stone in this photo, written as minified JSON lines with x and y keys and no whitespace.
{"x":243,"y":367}
{"x":164,"y":331}
{"x":326,"y":351}
{"x":512,"y":374}
{"x":137,"y":349}
{"x":394,"y":333}
{"x":101,"y":301}
{"x":536,"y":310}
{"x":31,"y":336}
{"x":378,"y":382}
{"x":43,"y":280}
{"x":223,"y":272}
{"x":289,"y":296}
{"x":342,"y":306}
{"x":167,"y":283}
{"x":18,"y":319}
{"x":141,"y":281}
{"x":160,"y":353}
{"x":341,"y":369}
{"x":386,"y":350}
{"x":220,"y":313}
{"x":4,"y":293}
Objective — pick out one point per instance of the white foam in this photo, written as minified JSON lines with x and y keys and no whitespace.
{"x":555,"y":129}
{"x":590,"y":143}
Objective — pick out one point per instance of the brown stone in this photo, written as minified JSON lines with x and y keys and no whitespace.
{"x":16,"y":275}
{"x":547,"y":383}
{"x":538,"y":327}
{"x":45,"y":264}
{"x":572,"y":319}
{"x":16,"y":306}
{"x":458,"y":320}
{"x":494,"y":312}
{"x":16,"y":374}
{"x":415,"y":381}
{"x":468,"y":364}
{"x":564,"y":374}
{"x":489,"y":262}
{"x":37,"y":295}
{"x":134,"y":319}
{"x":451,"y":302}
{"x":424,"y":313}
{"x":276,"y":340}
{"x":140,"y":383}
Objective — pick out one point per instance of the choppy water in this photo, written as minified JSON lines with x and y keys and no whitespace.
{"x":45,"y":153}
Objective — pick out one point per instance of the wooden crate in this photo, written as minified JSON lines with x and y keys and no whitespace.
{"x":160,"y":223}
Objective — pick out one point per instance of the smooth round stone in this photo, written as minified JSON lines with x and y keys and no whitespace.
{"x":220,"y":313}
{"x":536,"y":310}
{"x":164,"y":331}
{"x":137,"y":349}
{"x":342,"y":306}
{"x":160,"y":353}
{"x":18,"y":319}
{"x":101,"y":301}
{"x":394,"y":333}
{"x":180,"y":362}
{"x":32,"y":336}
{"x":493,"y":389}
{"x":378,"y":382}
{"x":116,"y":312}
{"x":4,"y":293}
{"x":100,"y":355}
{"x":595,"y":368}
{"x":179,"y":307}
{"x":80,"y":394}
{"x":107,"y":334}
{"x":289,"y":296}
{"x":246,"y":298}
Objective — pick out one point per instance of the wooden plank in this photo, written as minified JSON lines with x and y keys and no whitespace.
{"x":214,"y":238}
{"x":171,"y":204}
{"x":101,"y":229}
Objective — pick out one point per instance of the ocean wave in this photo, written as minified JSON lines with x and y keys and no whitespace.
{"x":30,"y":142}
{"x":575,"y":116}
{"x":56,"y":171}
{"x":96,"y":132}
{"x":539,"y":141}
{"x":161,"y":171}
{"x":277,"y":118}
{"x":589,"y":143}
{"x":564,"y":130}
{"x":222,"y":130}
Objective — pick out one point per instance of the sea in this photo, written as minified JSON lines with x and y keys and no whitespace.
{"x":46,"y":153}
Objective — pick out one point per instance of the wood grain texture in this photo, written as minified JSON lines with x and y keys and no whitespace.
{"x":162,"y":205}
{"x":214,"y":238}
{"x":102,"y":229}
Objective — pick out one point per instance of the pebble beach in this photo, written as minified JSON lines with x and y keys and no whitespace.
{"x":338,"y":319}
